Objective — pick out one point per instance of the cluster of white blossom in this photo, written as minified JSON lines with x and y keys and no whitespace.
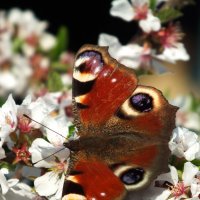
{"x":157,"y":41}
{"x":25,"y":141}
{"x":25,"y":53}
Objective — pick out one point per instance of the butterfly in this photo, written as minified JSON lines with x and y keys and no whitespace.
{"x":123,"y":130}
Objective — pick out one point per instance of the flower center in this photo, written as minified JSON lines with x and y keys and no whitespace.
{"x":178,"y":189}
{"x":60,"y":167}
{"x":9,"y":121}
{"x":24,"y":124}
{"x":170,"y":35}
{"x":22,"y":154}
{"x":141,"y":12}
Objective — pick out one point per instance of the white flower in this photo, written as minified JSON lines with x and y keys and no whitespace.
{"x":51,"y":183}
{"x":17,"y":77}
{"x":60,"y":100}
{"x":13,"y":189}
{"x":27,"y":23}
{"x":8,"y":118}
{"x":17,"y":190}
{"x":185,"y":143}
{"x":131,"y":55}
{"x":47,"y":41}
{"x":22,"y":72}
{"x":151,"y":23}
{"x":66,"y":79}
{"x":37,"y":110}
{"x":28,"y":50}
{"x":195,"y":186}
{"x":7,"y":82}
{"x":136,"y":10}
{"x":2,"y":151}
{"x":5,"y":46}
{"x":60,"y":124}
{"x":3,"y":183}
{"x":174,"y":53}
{"x":177,"y":189}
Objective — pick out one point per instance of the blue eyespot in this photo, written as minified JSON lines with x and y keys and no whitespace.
{"x":92,"y":62}
{"x":142,"y":102}
{"x":132,"y":176}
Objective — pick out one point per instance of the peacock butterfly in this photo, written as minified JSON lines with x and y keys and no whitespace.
{"x":123,"y":129}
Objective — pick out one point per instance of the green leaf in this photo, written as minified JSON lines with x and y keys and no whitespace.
{"x":71,"y":131}
{"x":168,"y":14}
{"x":61,"y":43}
{"x":196,"y":162}
{"x":195,"y":104}
{"x":54,"y":82}
{"x":60,"y":67}
{"x":7,"y":165}
{"x":152,"y":4}
{"x":17,"y":44}
{"x":180,"y":173}
{"x":2,"y":101}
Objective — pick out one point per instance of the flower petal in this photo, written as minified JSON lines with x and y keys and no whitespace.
{"x":151,"y":23}
{"x":47,"y":184}
{"x":3,"y":183}
{"x":195,"y":187}
{"x":172,"y":54}
{"x":130,"y":55}
{"x":122,"y":9}
{"x":190,"y":154}
{"x":41,"y":149}
{"x":2,"y":153}
{"x":174,"y":175}
{"x":111,"y":41}
{"x":189,"y":172}
{"x":44,"y":152}
{"x":61,"y":125}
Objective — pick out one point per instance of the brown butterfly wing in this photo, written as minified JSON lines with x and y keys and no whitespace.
{"x":108,"y":167}
{"x":100,"y":86}
{"x":93,"y":180}
{"x":124,"y":128}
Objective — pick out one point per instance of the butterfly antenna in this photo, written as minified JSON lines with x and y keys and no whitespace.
{"x":43,"y":125}
{"x":48,"y":156}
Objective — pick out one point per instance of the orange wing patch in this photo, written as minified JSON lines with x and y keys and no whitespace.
{"x":98,"y":181}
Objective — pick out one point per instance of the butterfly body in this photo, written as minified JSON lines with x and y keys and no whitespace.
{"x":123,"y":129}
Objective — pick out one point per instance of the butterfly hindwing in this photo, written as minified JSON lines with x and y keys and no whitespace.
{"x":93,"y":178}
{"x":94,"y":181}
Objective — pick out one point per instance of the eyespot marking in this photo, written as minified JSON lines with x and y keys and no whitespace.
{"x":132,"y":176}
{"x":87,"y":66}
{"x":142,"y":102}
{"x":89,"y":62}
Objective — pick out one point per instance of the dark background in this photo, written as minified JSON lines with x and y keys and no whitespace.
{"x":86,"y":19}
